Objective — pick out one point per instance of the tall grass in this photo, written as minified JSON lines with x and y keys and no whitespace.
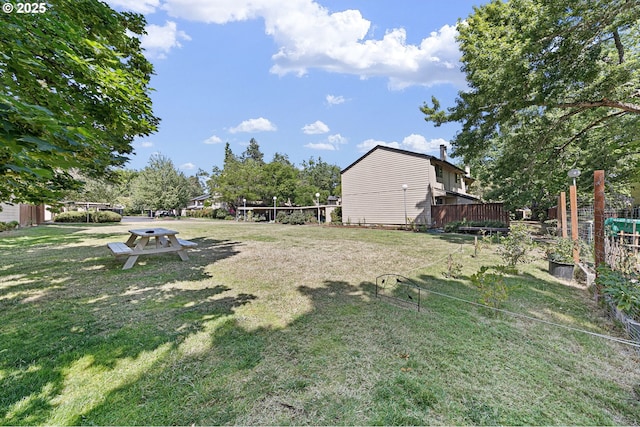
{"x":270,"y":324}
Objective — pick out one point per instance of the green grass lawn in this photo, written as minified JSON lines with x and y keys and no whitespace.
{"x":270,"y":324}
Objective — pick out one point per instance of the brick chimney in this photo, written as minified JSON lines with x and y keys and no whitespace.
{"x":443,"y":152}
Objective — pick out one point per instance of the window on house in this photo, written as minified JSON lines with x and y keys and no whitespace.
{"x":439,"y":173}
{"x":458,"y":178}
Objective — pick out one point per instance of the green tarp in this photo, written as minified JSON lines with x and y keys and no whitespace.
{"x":616,"y":225}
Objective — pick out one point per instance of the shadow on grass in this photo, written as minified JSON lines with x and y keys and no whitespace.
{"x":529,"y":297}
{"x":41,"y":235}
{"x":166,"y":343}
{"x":38,"y":273}
{"x":456,"y":239}
{"x":48,"y":348}
{"x":69,"y":308}
{"x":224,"y":373}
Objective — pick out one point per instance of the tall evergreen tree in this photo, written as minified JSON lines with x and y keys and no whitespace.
{"x":253,"y":152}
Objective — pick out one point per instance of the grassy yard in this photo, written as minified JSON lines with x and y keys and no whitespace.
{"x":271,"y":324}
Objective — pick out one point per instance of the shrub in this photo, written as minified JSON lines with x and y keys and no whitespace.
{"x":5,"y":226}
{"x":73,"y":216}
{"x":218,"y":213}
{"x":493,"y":288}
{"x":515,"y":247}
{"x":95,"y":217}
{"x":221,"y":214}
{"x":105,"y":216}
{"x":561,"y":250}
{"x":623,"y":291}
{"x":336,"y":215}
{"x":295,"y":218}
{"x":454,"y":268}
{"x":282,"y":217}
{"x":452,"y":227}
{"x":201,"y":213}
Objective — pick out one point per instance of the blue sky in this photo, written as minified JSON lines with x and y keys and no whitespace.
{"x":324,"y":78}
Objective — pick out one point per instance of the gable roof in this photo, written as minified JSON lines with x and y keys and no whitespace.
{"x":405,"y":152}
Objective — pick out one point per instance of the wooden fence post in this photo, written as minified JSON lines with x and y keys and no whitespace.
{"x":563,"y":213}
{"x":573,"y":196}
{"x":598,"y":221}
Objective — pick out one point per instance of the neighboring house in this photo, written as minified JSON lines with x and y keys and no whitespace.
{"x":373,"y":192}
{"x":198,"y":202}
{"x":205,"y":200}
{"x":23,"y":214}
{"x":333,"y":201}
{"x":79,"y":206}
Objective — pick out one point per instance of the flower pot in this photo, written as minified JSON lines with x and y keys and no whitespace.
{"x":561,"y":270}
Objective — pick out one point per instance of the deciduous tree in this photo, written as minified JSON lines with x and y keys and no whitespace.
{"x":74,"y":94}
{"x":161,"y":186}
{"x":553,"y":85}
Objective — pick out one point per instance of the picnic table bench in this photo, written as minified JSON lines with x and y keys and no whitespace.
{"x":119,"y":248}
{"x":139,"y":244}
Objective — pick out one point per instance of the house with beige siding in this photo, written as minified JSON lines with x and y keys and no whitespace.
{"x":385,"y":182}
{"x":23,"y":214}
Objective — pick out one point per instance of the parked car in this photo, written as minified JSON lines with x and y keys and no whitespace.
{"x":164,"y":213}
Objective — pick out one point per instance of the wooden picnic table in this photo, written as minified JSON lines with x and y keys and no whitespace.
{"x":139,"y":243}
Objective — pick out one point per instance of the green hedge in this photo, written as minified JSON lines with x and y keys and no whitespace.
{"x":5,"y":226}
{"x":295,"y":218}
{"x":95,"y":217}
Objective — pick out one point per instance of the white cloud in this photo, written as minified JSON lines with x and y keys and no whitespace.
{"x":413,"y":142}
{"x":370,"y":143}
{"x":332,"y":143}
{"x":254,"y":125}
{"x":420,"y":144}
{"x":325,"y":146}
{"x":335,"y":100}
{"x":146,"y":144}
{"x":337,"y":139}
{"x":315,"y":128}
{"x":187,"y":166}
{"x":138,"y":6}
{"x":217,"y":11}
{"x":213,"y":139}
{"x":160,"y":40}
{"x":309,"y":36}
